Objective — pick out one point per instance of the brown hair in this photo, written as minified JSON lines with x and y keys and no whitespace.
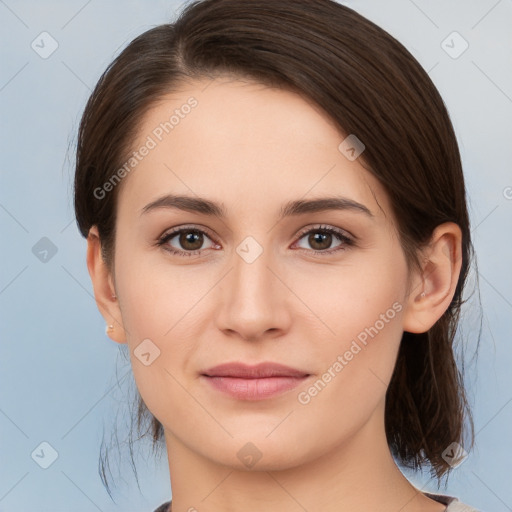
{"x":369,"y":85}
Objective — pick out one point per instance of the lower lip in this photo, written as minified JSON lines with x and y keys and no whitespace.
{"x":254,"y":389}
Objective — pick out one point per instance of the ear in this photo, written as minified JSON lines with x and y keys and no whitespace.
{"x":103,"y":285}
{"x":433,"y":288}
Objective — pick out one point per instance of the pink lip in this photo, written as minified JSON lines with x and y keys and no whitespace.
{"x":260,"y":370}
{"x":245,"y":382}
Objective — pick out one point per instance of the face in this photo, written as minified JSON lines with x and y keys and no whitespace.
{"x":319,"y":289}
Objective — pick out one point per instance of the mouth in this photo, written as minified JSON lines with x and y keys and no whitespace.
{"x":245,"y":382}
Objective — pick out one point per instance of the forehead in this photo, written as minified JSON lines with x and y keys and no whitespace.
{"x":245,"y":144}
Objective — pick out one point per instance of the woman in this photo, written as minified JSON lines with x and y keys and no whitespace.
{"x":275,"y":213}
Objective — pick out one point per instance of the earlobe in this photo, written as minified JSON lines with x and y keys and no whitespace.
{"x":433,"y":289}
{"x":104,"y":292}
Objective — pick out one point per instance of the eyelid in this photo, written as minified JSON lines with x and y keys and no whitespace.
{"x":184,"y":227}
{"x":326,"y":227}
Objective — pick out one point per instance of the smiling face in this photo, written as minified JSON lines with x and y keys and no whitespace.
{"x":261,"y":274}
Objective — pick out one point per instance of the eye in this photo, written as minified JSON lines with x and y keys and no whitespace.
{"x":191,"y":239}
{"x":320,"y":238}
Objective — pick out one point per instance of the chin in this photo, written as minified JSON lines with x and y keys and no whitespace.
{"x":258,"y":453}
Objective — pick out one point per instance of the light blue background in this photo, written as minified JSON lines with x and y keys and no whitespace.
{"x":58,"y":368}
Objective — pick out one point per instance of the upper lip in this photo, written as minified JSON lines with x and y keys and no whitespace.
{"x":259,"y":371}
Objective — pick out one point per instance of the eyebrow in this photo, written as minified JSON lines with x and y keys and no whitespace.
{"x":292,"y":208}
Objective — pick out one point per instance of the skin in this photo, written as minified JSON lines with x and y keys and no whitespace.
{"x":253,"y":149}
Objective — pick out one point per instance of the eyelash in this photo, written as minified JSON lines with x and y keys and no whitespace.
{"x":346,"y":241}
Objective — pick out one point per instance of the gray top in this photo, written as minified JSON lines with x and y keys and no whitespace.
{"x":454,"y":505}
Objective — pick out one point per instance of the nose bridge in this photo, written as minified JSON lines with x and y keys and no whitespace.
{"x":252,"y":295}
{"x":251,"y":273}
{"x":252,"y":281}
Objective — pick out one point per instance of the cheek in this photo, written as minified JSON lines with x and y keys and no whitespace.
{"x":157,"y":297}
{"x":353,"y":368}
{"x":157,"y":317}
{"x":360,"y":307}
{"x":361,"y":298}
{"x":164,"y":304}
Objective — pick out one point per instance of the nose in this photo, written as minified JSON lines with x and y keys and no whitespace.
{"x":254,"y":302}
